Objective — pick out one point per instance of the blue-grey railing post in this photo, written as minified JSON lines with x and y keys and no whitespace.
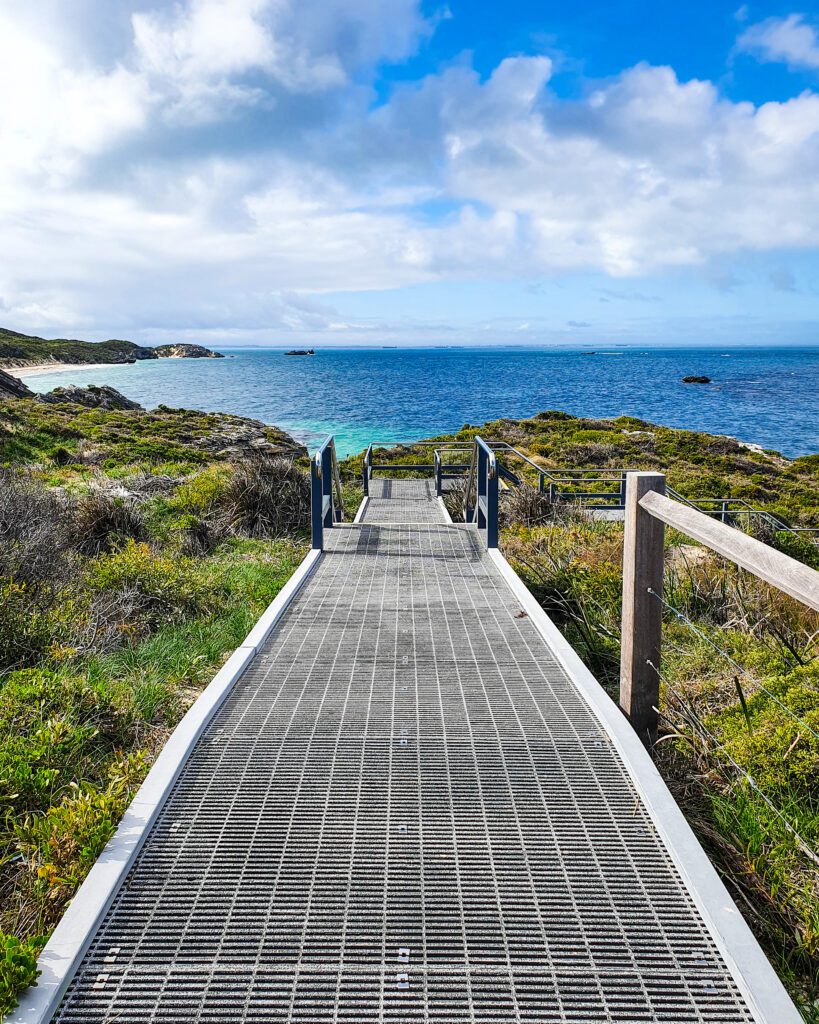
{"x":327,"y":485}
{"x":436,"y":457}
{"x":487,"y":492}
{"x":541,"y":483}
{"x":481,"y":490}
{"x":623,"y":482}
{"x":492,"y":484}
{"x":317,"y":502}
{"x":365,"y":469}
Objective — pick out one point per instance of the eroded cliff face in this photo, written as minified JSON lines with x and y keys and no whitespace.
{"x":11,"y":387}
{"x":185,"y":351}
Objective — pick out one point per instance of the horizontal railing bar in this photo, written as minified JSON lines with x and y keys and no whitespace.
{"x":421,"y":444}
{"x":406,"y":465}
{"x":592,"y":494}
{"x":780,"y":570}
{"x":586,"y":480}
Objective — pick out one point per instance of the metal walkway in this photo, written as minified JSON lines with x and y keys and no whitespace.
{"x":405,"y":810}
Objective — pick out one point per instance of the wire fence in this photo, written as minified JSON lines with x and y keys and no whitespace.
{"x":716,"y":749}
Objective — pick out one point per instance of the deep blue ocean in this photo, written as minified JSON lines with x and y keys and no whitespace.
{"x":767,"y":396}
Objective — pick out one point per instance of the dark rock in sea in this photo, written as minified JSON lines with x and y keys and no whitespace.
{"x":185,"y":351}
{"x":13,"y":387}
{"x":91,"y":397}
{"x":301,"y":352}
{"x":696,"y":380}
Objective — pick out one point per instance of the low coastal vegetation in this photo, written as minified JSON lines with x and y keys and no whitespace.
{"x":137,"y":548}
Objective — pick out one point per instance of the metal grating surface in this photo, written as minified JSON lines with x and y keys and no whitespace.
{"x":402,"y":501}
{"x":404,"y":812}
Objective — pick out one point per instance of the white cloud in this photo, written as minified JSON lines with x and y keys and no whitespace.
{"x":790,"y":40}
{"x":219,"y":162}
{"x":52,"y":113}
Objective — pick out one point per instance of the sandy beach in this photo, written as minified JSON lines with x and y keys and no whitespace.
{"x":38,"y":369}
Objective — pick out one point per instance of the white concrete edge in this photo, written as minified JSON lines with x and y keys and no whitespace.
{"x":447,"y":517}
{"x":71,"y":938}
{"x":274,"y":611}
{"x":750,"y":968}
{"x":362,"y":508}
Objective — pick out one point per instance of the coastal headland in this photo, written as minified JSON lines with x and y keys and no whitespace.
{"x":28,"y":355}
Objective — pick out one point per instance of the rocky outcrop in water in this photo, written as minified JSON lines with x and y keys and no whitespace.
{"x":696,"y":379}
{"x":185,"y":351}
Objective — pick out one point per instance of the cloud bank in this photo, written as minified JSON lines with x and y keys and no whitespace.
{"x":221,"y":164}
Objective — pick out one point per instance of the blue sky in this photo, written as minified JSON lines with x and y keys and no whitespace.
{"x":405,"y":172}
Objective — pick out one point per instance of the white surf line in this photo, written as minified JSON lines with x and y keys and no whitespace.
{"x":71,"y":938}
{"x":754,"y":976}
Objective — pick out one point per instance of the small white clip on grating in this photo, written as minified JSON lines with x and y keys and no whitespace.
{"x":402,"y":979}
{"x":403,"y":954}
{"x":113,"y":953}
{"x":100,"y":981}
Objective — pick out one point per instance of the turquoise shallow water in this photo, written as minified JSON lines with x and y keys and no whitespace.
{"x":767,"y":396}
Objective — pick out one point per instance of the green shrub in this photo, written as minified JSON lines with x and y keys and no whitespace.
{"x":267,"y":498}
{"x":53,"y":728}
{"x":201,"y":493}
{"x":60,"y":846}
{"x":18,"y":968}
{"x":170,"y":587}
{"x":800,"y":548}
{"x":26,"y":628}
{"x":101,"y":522}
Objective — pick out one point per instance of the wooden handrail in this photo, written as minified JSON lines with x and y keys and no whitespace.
{"x":780,"y":570}
{"x":648,"y":512}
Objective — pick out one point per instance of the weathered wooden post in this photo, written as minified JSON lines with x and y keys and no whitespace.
{"x":642,"y":621}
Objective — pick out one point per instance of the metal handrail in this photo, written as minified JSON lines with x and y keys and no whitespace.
{"x":613,"y":500}
{"x":325,"y":479}
{"x":470,"y":480}
{"x":366,"y":468}
{"x":726,"y":514}
{"x":483,"y":475}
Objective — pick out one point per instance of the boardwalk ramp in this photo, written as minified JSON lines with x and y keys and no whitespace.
{"x":411,"y":804}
